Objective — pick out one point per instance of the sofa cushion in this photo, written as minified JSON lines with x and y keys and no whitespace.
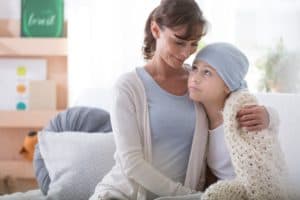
{"x":78,"y":118}
{"x":76,"y":162}
{"x":288,"y":108}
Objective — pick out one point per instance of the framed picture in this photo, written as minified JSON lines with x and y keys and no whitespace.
{"x":42,"y":18}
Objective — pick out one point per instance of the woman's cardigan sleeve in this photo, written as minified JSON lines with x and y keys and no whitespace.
{"x":128,"y":138}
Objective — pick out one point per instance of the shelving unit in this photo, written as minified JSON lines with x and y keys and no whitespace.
{"x":33,"y":47}
{"x":14,"y":125}
{"x":20,"y":119}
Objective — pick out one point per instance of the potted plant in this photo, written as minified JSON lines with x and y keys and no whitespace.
{"x":279,"y":70}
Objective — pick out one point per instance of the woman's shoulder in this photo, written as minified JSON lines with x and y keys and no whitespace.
{"x":129,"y":82}
{"x":127,"y":77}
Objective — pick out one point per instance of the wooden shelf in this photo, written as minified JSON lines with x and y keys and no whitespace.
{"x":17,"y":168}
{"x":10,"y":46}
{"x":26,"y":119}
{"x":14,"y":125}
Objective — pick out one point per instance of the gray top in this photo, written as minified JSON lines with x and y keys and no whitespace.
{"x":172,"y":123}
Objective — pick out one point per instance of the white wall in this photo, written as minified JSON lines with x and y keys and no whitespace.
{"x":12,"y":8}
{"x":105,"y":40}
{"x":105,"y":37}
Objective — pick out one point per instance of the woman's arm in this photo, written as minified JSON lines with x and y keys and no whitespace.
{"x":130,"y":150}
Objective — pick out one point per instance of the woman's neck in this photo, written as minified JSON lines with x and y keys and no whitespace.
{"x":214,"y":113}
{"x":157,"y":67}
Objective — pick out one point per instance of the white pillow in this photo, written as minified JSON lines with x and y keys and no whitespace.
{"x":76,"y":162}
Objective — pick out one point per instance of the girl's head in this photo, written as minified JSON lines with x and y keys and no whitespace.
{"x":218,"y":70}
{"x":173,"y":30}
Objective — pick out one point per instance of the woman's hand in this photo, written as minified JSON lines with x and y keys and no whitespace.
{"x":253,"y":117}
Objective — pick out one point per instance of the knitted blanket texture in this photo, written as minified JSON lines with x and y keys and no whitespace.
{"x":257,"y":158}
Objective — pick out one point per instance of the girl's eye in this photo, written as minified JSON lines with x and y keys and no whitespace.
{"x":207,"y":73}
{"x":194,"y":68}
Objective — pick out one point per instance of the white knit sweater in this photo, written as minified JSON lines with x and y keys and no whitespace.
{"x":257,"y":158}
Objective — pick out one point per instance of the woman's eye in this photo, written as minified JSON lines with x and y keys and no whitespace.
{"x":179,"y":42}
{"x":195,"y":44}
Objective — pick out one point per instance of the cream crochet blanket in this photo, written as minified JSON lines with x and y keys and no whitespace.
{"x":257,"y":158}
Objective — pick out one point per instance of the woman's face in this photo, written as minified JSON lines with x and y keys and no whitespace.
{"x":205,"y":85}
{"x":172,"y":48}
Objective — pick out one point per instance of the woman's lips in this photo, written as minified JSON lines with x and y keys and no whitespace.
{"x":179,"y":60}
{"x":193,"y":88}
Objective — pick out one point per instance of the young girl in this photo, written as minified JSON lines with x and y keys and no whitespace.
{"x":217,"y":81}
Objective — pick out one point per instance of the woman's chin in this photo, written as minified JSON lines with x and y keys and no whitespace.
{"x":176,"y":63}
{"x":194,"y":96}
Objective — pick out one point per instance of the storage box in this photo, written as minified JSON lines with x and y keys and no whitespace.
{"x":42,"y":95}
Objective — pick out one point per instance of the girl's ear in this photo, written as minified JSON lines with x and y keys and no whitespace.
{"x":226,"y":90}
{"x":155,"y":30}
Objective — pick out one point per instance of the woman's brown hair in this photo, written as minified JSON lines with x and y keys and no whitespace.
{"x":172,"y":13}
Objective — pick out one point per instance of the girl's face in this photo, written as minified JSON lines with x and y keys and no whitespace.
{"x":205,"y":85}
{"x":171,"y":47}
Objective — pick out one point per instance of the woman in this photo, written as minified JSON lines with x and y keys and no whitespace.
{"x":160,"y":134}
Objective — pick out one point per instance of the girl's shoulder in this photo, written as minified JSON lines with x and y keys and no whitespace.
{"x":238,"y":99}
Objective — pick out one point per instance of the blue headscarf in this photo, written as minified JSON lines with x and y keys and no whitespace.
{"x":230,"y":63}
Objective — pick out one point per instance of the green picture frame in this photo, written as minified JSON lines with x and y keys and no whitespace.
{"x":42,"y":18}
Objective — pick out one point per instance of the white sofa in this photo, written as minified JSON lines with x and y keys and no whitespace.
{"x":287,"y":105}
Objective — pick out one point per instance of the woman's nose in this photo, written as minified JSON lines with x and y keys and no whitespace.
{"x":186,"y":52}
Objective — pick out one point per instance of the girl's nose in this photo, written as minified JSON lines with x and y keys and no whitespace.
{"x":195,"y":78}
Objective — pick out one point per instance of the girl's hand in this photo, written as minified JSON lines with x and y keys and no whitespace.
{"x":253,"y":118}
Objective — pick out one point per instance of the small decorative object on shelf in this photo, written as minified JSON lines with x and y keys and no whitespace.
{"x":28,"y":146}
{"x":42,"y":18}
{"x":15,"y":75}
